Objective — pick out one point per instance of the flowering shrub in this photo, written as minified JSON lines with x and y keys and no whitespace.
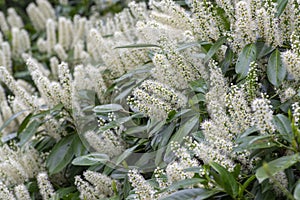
{"x":150,"y":100}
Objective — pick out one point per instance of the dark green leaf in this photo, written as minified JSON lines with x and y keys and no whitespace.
{"x":185,"y":183}
{"x":229,"y":55}
{"x":283,"y":125}
{"x":276,"y":71}
{"x":199,"y":86}
{"x":297,"y":191}
{"x":12,"y":118}
{"x":107,"y":108}
{"x":65,"y":191}
{"x":247,"y":56}
{"x":61,"y":155}
{"x":275,"y":166}
{"x":78,"y":147}
{"x":214,"y":48}
{"x":90,"y":159}
{"x":24,"y":123}
{"x":195,"y":193}
{"x":263,"y":49}
{"x":27,"y":133}
{"x":125,"y":154}
{"x":281,"y":4}
{"x":226,"y":180}
{"x":137,"y":46}
{"x":51,"y":111}
{"x":188,"y":45}
{"x":183,"y":131}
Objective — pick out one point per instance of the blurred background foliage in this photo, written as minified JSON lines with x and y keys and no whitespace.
{"x":81,"y":7}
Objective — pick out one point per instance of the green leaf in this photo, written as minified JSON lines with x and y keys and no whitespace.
{"x":297,"y":191}
{"x":247,"y":56}
{"x":229,"y":55}
{"x":51,"y":111}
{"x":214,"y":48}
{"x":12,"y":118}
{"x":107,"y":108}
{"x":183,"y":131}
{"x":261,"y":142}
{"x":198,"y":86}
{"x":188,"y":45}
{"x":90,"y":159}
{"x":65,"y":191}
{"x":30,"y":130}
{"x":78,"y":147}
{"x":24,"y":123}
{"x":184,"y":183}
{"x":275,"y":166}
{"x":276,"y":71}
{"x":61,"y":155}
{"x":195,"y":193}
{"x":263,"y":49}
{"x":137,"y":46}
{"x":226,"y":180}
{"x":284,"y":127}
{"x":281,"y":4}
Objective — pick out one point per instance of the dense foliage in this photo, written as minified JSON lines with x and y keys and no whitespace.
{"x":148,"y":100}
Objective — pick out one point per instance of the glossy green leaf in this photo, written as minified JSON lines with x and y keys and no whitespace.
{"x":12,"y":118}
{"x":61,"y":155}
{"x":226,"y":180}
{"x":297,"y":191}
{"x":226,"y":62}
{"x":185,"y":183}
{"x":247,"y":56}
{"x":275,"y":166}
{"x":107,"y":108}
{"x":28,"y":132}
{"x":24,"y":123}
{"x":283,"y":125}
{"x":51,"y":111}
{"x":263,"y":49}
{"x":276,"y":71}
{"x":198,"y":86}
{"x":66,"y":191}
{"x":195,"y":193}
{"x":137,"y":46}
{"x":78,"y":147}
{"x":281,"y":4}
{"x":90,"y":159}
{"x":214,"y":48}
{"x":183,"y":131}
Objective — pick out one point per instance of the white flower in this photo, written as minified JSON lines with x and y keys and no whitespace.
{"x":46,"y":188}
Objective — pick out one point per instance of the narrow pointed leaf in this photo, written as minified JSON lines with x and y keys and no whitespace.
{"x":281,"y":4}
{"x":214,"y":48}
{"x":195,"y":193}
{"x":107,"y":108}
{"x":275,"y":166}
{"x":61,"y":155}
{"x":247,"y":56}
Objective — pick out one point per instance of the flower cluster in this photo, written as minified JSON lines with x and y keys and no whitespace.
{"x":46,"y":188}
{"x":291,"y":58}
{"x":263,"y":115}
{"x":19,"y":165}
{"x":108,"y":142}
{"x":95,"y":186}
{"x":155,"y":99}
{"x":142,"y":188}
